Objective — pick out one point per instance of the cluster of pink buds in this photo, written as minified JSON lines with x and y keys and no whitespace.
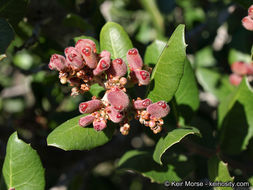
{"x":83,"y":66}
{"x":247,"y":21}
{"x":239,"y":70}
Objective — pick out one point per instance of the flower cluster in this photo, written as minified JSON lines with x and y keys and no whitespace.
{"x":239,"y":70}
{"x":247,"y":21}
{"x":83,"y":66}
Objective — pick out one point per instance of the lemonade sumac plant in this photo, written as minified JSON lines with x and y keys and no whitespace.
{"x":169,"y":101}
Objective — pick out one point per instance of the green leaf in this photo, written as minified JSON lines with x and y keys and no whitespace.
{"x":236,"y":55}
{"x":75,"y":39}
{"x":6,"y":36}
{"x":214,"y":82}
{"x":218,"y":171}
{"x":13,"y":10}
{"x":22,"y":167}
{"x":169,"y":69}
{"x":96,"y":89}
{"x":235,"y":117}
{"x":114,"y":39}
{"x":142,"y":162}
{"x":187,"y":94}
{"x":70,"y":136}
{"x":170,"y":139}
{"x":153,"y":52}
{"x":157,"y":18}
{"x":75,"y":21}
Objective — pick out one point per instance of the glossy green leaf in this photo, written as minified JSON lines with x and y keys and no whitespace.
{"x":170,"y":139}
{"x":218,"y":172}
{"x":114,"y":39}
{"x":13,"y":10}
{"x":6,"y":36}
{"x":153,"y":52}
{"x":142,"y":162}
{"x":70,"y":136}
{"x":235,"y":117}
{"x":169,"y":69}
{"x":22,"y":167}
{"x":187,"y":94}
{"x":214,"y":82}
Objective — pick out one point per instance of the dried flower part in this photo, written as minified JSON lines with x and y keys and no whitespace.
{"x":125,"y":129}
{"x":99,"y":124}
{"x":142,"y":104}
{"x":88,"y":52}
{"x":142,"y":76}
{"x":118,"y":98}
{"x":103,"y":64}
{"x":115,"y":115}
{"x":134,"y":59}
{"x":247,"y":22}
{"x":74,"y":58}
{"x":235,"y":79}
{"x":89,"y":106}
{"x":86,"y":120}
{"x":118,"y":68}
{"x":250,"y":11}
{"x":239,"y":68}
{"x":58,"y":62}
{"x":158,"y":110}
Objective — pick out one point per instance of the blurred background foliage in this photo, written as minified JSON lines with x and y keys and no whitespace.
{"x":33,"y":102}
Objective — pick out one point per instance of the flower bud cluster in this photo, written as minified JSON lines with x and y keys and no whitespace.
{"x":151,"y":114}
{"x":247,"y":21}
{"x":239,"y":70}
{"x":82,"y":66}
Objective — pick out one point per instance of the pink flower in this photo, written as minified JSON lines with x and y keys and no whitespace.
{"x":74,"y":58}
{"x":158,"y":110}
{"x":89,"y":106}
{"x":86,"y":120}
{"x":235,"y":79}
{"x":58,"y":62}
{"x":118,"y":68}
{"x":142,"y":104}
{"x":134,"y":59}
{"x":118,"y":99}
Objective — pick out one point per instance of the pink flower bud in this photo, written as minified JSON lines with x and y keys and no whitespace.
{"x":142,"y":76}
{"x":142,"y":104}
{"x":115,"y":115}
{"x":118,"y":99}
{"x":247,"y":22}
{"x":104,"y":63}
{"x":134,"y":59}
{"x":239,"y":68}
{"x":118,"y":68}
{"x":74,"y":58}
{"x":235,"y":79}
{"x":87,"y":48}
{"x":89,"y":106}
{"x":250,"y":11}
{"x":250,"y":69}
{"x":86,"y":120}
{"x":88,"y":41}
{"x":58,"y":62}
{"x":158,"y":110}
{"x":99,"y":124}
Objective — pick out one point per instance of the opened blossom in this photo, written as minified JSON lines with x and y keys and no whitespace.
{"x":83,"y":66}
